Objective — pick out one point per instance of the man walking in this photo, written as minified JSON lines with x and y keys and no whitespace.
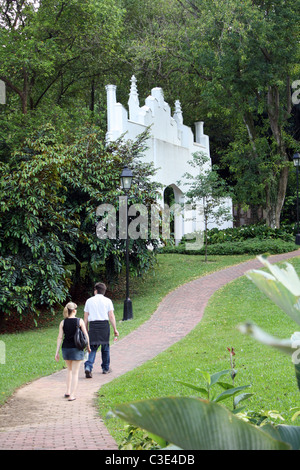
{"x":98,"y":313}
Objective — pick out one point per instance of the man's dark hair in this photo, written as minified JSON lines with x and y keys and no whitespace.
{"x":100,"y":288}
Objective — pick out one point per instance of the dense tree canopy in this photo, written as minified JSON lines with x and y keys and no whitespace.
{"x":236,"y":62}
{"x":56,"y":50}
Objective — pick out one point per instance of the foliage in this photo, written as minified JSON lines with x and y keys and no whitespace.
{"x":246,"y":232}
{"x":49,"y":196}
{"x":236,"y":62}
{"x":144,"y":190}
{"x":282,"y":286}
{"x":192,"y":423}
{"x":53,"y":50}
{"x":252,"y":239}
{"x":36,"y":234}
{"x":209,"y":190}
{"x":229,"y":390}
{"x":261,"y":418}
{"x":253,"y":246}
{"x":140,"y":440}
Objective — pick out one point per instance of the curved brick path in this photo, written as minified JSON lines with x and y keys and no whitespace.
{"x":53,"y":423}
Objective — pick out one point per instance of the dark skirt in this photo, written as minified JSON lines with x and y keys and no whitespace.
{"x":72,"y":354}
{"x":99,"y":332}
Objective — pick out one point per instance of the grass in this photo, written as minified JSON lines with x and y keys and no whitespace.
{"x":270,"y":373}
{"x":29,"y":355}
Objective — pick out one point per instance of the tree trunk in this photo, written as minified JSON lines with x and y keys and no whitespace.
{"x":2,"y":316}
{"x":205,"y":234}
{"x":23,"y":94}
{"x":274,"y":119}
{"x":283,"y":180}
{"x":92,"y":103}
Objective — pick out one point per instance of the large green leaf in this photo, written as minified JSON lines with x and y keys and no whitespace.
{"x":288,"y":434}
{"x":192,"y":423}
{"x":287,"y":346}
{"x":282,"y":286}
{"x":283,"y":345}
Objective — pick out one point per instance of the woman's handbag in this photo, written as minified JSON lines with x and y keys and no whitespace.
{"x":80,"y":339}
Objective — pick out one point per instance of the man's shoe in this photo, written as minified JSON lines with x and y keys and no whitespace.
{"x":107,"y":371}
{"x":88,"y":374}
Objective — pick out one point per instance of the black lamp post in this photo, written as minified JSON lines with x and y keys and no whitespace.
{"x":126,"y":180}
{"x":296,"y":159}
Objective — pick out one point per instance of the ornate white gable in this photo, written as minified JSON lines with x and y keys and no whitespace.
{"x":171,"y":144}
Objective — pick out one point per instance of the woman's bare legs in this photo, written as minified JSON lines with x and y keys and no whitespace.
{"x":69,"y":377}
{"x":72,"y":378}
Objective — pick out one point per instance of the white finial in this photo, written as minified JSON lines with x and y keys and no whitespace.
{"x":133,"y":89}
{"x":133,"y":102}
{"x":178,"y":112}
{"x":199,"y":131}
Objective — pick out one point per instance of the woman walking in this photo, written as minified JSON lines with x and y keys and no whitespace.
{"x":72,"y":355}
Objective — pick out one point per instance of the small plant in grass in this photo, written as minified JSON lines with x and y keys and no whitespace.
{"x":211,"y":380}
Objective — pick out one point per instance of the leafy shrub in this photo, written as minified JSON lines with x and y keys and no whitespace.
{"x":253,"y":246}
{"x":248,"y":239}
{"x":49,"y":193}
{"x":261,"y":232}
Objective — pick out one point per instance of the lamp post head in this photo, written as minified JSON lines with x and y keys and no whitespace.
{"x":296,"y":159}
{"x":126,"y":179}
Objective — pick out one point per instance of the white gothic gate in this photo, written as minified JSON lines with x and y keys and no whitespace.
{"x":171,"y":144}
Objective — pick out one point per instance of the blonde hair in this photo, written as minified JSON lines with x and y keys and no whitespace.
{"x":69,"y":309}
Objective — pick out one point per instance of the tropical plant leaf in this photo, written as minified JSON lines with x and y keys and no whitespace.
{"x":282,"y":287}
{"x":225,"y":385}
{"x":214,"y":378}
{"x":193,"y":387}
{"x":241,"y":397}
{"x":288,"y":434}
{"x":284,"y":345}
{"x":192,"y":423}
{"x":206,"y":376}
{"x":230,"y":393}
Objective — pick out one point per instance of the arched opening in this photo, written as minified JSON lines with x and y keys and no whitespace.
{"x":169,"y":200}
{"x":169,"y":196}
{"x":173,"y":199}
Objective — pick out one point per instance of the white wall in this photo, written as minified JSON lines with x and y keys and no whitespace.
{"x":171,"y":145}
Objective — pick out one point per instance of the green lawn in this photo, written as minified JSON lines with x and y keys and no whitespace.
{"x":270,"y":373}
{"x":30,"y":355}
